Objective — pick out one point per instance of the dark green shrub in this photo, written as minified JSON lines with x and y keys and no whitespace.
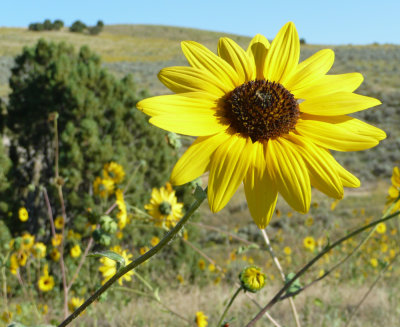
{"x":100,"y":23}
{"x":47,"y":25}
{"x":98,"y":123}
{"x":37,"y":27}
{"x":78,"y":27}
{"x":58,"y":24}
{"x":94,"y":30}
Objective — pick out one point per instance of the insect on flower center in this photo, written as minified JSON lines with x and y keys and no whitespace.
{"x":262,"y":110}
{"x":165,"y":208}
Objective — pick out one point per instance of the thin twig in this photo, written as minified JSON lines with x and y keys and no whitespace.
{"x":279,"y":267}
{"x":277,"y":296}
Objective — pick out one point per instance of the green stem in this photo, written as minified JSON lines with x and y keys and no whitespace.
{"x":278,"y":295}
{"x":229,"y":305}
{"x":145,"y":282}
{"x":200,"y":195}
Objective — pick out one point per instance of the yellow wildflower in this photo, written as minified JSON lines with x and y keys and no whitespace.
{"x":74,"y":303}
{"x":59,"y":222}
{"x":56,"y":240}
{"x":154,"y":241}
{"x":201,"y":319}
{"x":46,"y":282}
{"x":374,"y":262}
{"x":143,"y":250}
{"x":39,"y":250}
{"x":381,"y":228}
{"x":309,"y":243}
{"x":6,"y":316}
{"x":75,"y":251}
{"x":252,"y":279}
{"x":201,"y":264}
{"x":164,"y":207}
{"x":109,"y":266}
{"x":27,"y":241}
{"x":103,"y":187}
{"x":211,"y":267}
{"x":114,"y":171}
{"x":55,"y":255}
{"x":23,"y":214}
{"x":287,"y":250}
{"x":309,"y":221}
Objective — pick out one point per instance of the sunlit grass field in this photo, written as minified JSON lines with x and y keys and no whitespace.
{"x":143,"y":50}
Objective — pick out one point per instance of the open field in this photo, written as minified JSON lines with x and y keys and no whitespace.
{"x":142,"y":51}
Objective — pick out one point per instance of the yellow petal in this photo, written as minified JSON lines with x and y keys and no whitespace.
{"x":311,"y":70}
{"x":289,"y":173}
{"x":195,"y":161}
{"x":257,"y":51}
{"x":396,"y":177}
{"x":189,"y":79}
{"x":176,"y":104}
{"x":321,"y":167}
{"x":283,"y":55}
{"x":228,"y":167}
{"x":340,"y":103}
{"x":340,"y":133}
{"x":200,"y":57}
{"x":237,"y":58}
{"x":393,"y":192}
{"x":193,"y":124}
{"x":261,"y":193}
{"x":347,"y":178}
{"x":330,"y":84}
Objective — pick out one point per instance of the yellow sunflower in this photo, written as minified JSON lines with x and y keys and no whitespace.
{"x":164,"y":207}
{"x":263,"y":118}
{"x":23,"y":214}
{"x":114,"y":171}
{"x":109,"y":266}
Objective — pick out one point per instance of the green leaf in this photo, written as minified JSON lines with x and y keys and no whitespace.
{"x":110,"y":255}
{"x":243,"y":249}
{"x":318,"y":302}
{"x":199,"y":194}
{"x":295,"y":285}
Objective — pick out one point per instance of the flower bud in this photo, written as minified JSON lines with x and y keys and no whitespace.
{"x":252,"y":279}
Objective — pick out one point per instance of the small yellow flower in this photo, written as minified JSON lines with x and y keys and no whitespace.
{"x":164,"y":207}
{"x":59,"y":222}
{"x":114,"y":171}
{"x":46,"y":282}
{"x":373,"y":262}
{"x":74,"y":303}
{"x":122,"y":215}
{"x":23,"y":214}
{"x":56,"y":240}
{"x":22,"y":257}
{"x":381,"y":228}
{"x":392,"y":253}
{"x":211,"y":267}
{"x":103,"y":187}
{"x":201,"y":264}
{"x":185,"y":235}
{"x":217,"y":280}
{"x":309,"y":243}
{"x":27,"y":241}
{"x":14,"y":264}
{"x":75,"y":251}
{"x":252,"y":279}
{"x":180,"y":279}
{"x":321,"y":273}
{"x":55,"y":255}
{"x":154,"y":241}
{"x":394,"y":190}
{"x":143,"y":250}
{"x":287,"y":250}
{"x":309,"y":221}
{"x":39,"y":250}
{"x":109,"y":266}
{"x":201,"y":319}
{"x":43,"y":308}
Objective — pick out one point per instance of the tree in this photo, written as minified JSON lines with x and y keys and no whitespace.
{"x":58,"y":24}
{"x":98,"y":123}
{"x":78,"y":27}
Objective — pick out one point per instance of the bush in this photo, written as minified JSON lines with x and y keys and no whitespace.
{"x":100,"y":23}
{"x":98,"y":123}
{"x":95,"y":30}
{"x":78,"y":27}
{"x":58,"y":24}
{"x":37,"y":27}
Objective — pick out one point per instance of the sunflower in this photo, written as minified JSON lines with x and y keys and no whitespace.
{"x":164,"y":207}
{"x":201,"y":319}
{"x":109,"y":266}
{"x":114,"y":171}
{"x":263,"y":118}
{"x":394,"y":190}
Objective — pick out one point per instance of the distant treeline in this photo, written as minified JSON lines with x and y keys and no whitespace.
{"x":77,"y":27}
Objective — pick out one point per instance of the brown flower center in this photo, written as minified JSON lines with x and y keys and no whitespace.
{"x":261,"y":109}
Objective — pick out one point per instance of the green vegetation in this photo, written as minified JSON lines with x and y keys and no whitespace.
{"x":47,"y":25}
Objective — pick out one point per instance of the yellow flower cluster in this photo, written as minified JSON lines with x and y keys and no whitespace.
{"x":113,"y":174}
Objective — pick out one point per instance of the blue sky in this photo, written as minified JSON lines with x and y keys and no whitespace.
{"x":322,"y":22}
